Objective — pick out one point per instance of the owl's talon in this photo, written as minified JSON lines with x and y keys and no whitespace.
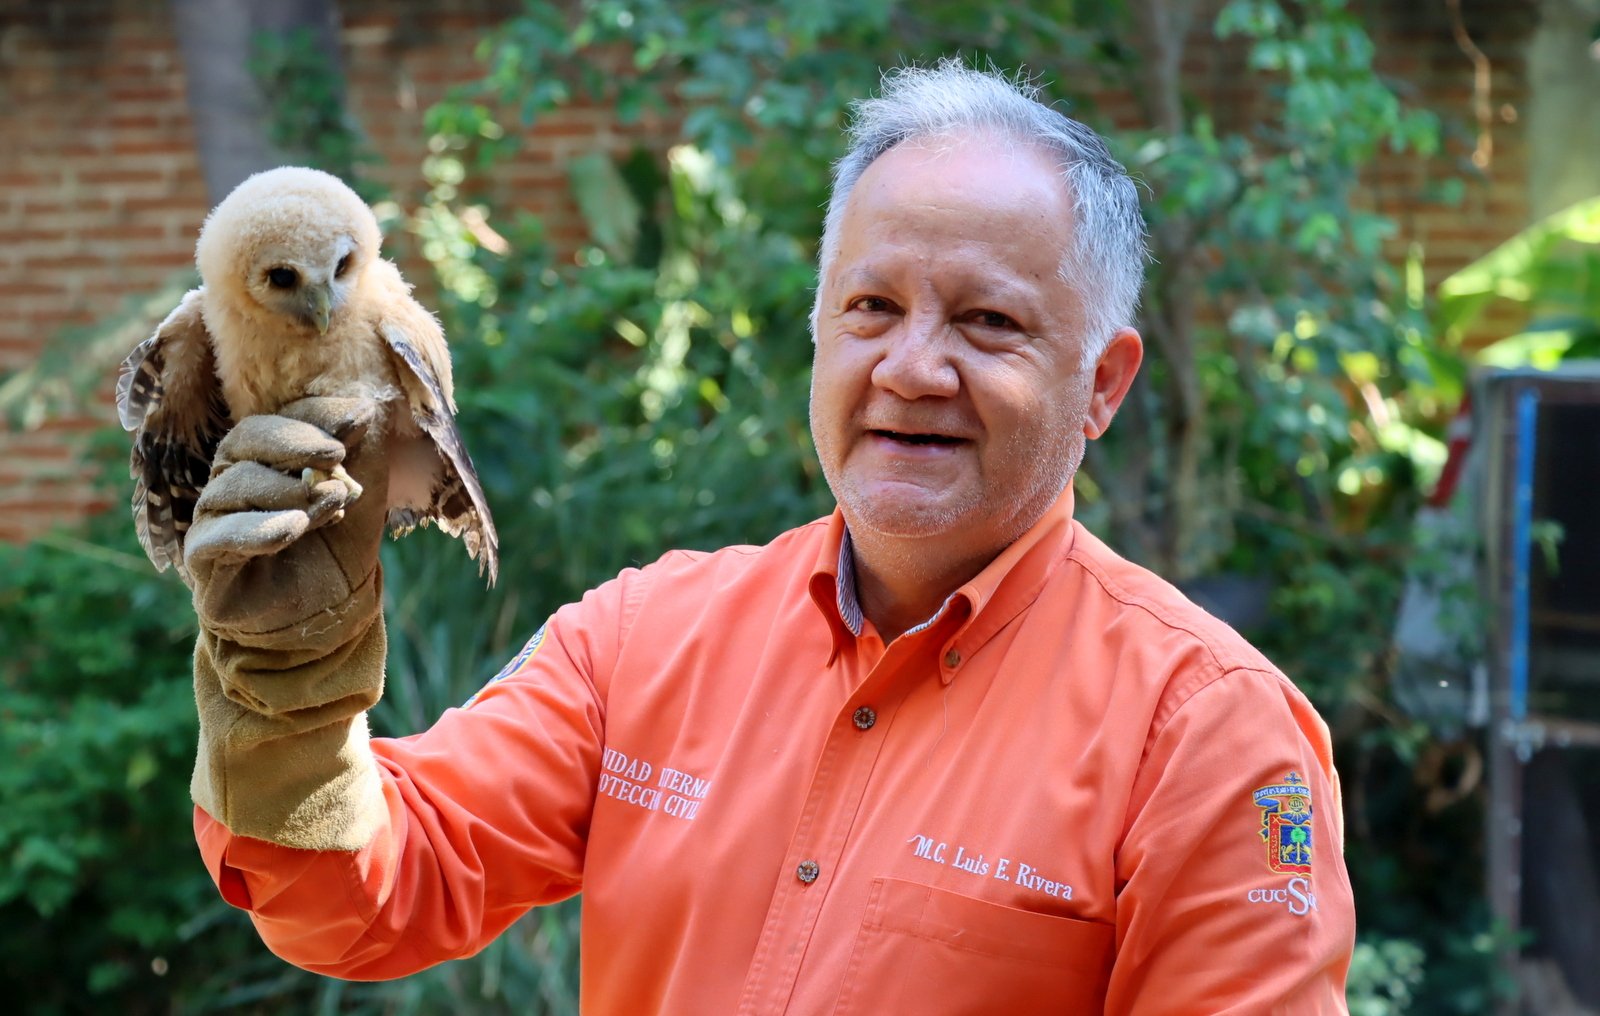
{"x":338,"y":473}
{"x":312,"y":476}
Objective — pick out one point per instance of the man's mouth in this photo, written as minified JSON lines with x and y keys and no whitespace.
{"x":916,"y":437}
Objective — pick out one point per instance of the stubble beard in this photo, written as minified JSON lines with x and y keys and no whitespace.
{"x":1046,"y":465}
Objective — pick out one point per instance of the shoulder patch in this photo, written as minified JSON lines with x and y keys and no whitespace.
{"x":1286,"y":824}
{"x":511,"y":668}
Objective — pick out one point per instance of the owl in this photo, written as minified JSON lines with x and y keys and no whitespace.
{"x":295,"y":301}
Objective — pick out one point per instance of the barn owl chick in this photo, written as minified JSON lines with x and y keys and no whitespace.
{"x":295,"y":301}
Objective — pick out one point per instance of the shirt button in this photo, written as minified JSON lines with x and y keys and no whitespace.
{"x":807,"y":872}
{"x":864,"y":718}
{"x":952,"y":659}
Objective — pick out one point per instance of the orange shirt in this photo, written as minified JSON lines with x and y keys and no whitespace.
{"x":1071,"y":789}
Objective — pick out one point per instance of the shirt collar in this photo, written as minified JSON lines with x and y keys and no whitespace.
{"x":845,"y":585}
{"x":994,"y":596}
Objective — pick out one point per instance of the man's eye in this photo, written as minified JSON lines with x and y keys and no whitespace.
{"x":993,"y":319}
{"x":870,"y":304}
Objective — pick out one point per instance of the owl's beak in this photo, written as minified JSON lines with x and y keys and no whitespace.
{"x":319,"y":307}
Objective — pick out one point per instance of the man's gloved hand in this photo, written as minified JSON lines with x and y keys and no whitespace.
{"x":291,"y":649}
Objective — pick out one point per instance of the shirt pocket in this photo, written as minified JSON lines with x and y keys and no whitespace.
{"x":927,"y":950}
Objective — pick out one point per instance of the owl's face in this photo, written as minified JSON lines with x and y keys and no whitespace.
{"x":287,"y":249}
{"x":307,"y":286}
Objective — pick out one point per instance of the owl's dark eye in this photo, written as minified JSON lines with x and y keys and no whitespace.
{"x":282,"y":278}
{"x":342,"y":267}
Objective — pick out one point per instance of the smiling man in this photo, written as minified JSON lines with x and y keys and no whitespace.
{"x":958,"y":372}
{"x":941,"y":752}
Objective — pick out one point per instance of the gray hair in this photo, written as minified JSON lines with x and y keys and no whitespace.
{"x":1108,"y":254}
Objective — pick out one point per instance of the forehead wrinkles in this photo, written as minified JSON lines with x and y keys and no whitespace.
{"x":961,"y":208}
{"x":931,"y":158}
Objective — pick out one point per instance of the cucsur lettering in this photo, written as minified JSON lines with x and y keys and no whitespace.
{"x":1297,"y":896}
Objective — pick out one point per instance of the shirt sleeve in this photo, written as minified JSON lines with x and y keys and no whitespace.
{"x":504,"y":785}
{"x":1233,"y":895}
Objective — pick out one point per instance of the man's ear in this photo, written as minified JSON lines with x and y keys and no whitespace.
{"x":1113,"y":376}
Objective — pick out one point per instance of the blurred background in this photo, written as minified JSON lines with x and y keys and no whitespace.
{"x":1367,"y":434}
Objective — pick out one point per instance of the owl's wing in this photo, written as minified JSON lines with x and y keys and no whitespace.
{"x":423,"y":364}
{"x":169,"y":397}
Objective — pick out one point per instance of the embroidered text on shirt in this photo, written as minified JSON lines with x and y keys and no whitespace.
{"x":628,"y":779}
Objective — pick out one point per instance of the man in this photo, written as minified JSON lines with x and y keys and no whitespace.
{"x":940,"y":752}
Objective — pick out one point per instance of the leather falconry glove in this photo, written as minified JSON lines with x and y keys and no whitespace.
{"x":283,"y":558}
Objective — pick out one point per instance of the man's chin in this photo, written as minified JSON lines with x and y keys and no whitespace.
{"x":907,"y":512}
{"x":903,"y":518}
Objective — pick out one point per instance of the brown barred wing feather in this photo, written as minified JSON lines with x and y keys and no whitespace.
{"x":169,"y":397}
{"x":458,"y":504}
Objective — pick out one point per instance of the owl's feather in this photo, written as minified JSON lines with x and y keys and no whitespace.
{"x":163,"y":395}
{"x":456,"y":502}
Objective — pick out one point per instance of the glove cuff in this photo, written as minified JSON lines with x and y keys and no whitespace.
{"x":284,"y":752}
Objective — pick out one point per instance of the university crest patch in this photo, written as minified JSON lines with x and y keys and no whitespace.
{"x":1286,"y":824}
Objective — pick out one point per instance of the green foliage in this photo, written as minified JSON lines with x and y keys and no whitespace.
{"x":1550,"y":270}
{"x":97,"y":722}
{"x":303,"y":89}
{"x":1384,"y":975}
{"x":1322,"y":368}
{"x":1322,"y":388}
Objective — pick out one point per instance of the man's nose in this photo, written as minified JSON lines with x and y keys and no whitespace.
{"x":917,"y":360}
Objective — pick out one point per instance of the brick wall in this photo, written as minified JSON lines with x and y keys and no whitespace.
{"x":1437,"y":58}
{"x":97,"y":176}
{"x":101,"y":192}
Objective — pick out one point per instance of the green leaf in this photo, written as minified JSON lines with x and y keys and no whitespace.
{"x":142,"y":768}
{"x":1545,"y":261}
{"x":609,"y":208}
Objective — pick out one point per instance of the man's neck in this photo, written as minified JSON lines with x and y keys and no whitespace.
{"x":900,"y":582}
